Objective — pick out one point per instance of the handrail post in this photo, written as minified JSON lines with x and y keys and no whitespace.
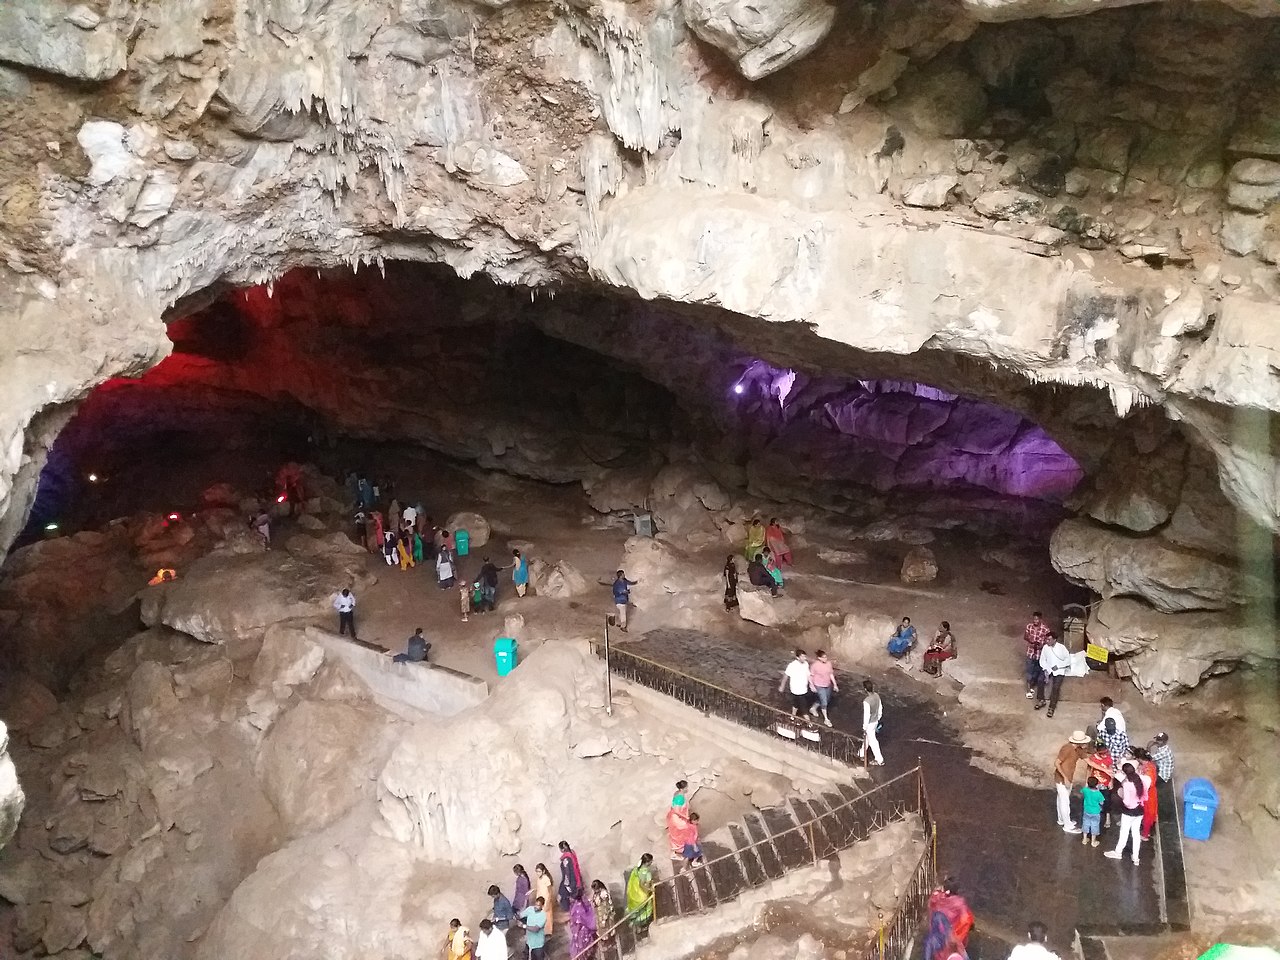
{"x":608,"y":672}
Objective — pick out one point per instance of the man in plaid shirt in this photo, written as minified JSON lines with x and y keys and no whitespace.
{"x":1035,"y":637}
{"x":1162,"y":754}
{"x":1115,"y":740}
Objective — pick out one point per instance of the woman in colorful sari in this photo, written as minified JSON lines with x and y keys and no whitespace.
{"x":1150,"y":806}
{"x":771,"y":564}
{"x":602,"y":903}
{"x":544,"y":887}
{"x":404,"y":550}
{"x":942,"y":649}
{"x":582,"y":927}
{"x":677,"y":825}
{"x":375,"y":545}
{"x":949,"y":918}
{"x":640,"y":894}
{"x":755,"y":539}
{"x":776,"y":541}
{"x":520,"y":893}
{"x":417,"y":547}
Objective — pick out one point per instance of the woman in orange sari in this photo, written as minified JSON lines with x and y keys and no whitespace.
{"x":1151,"y":805}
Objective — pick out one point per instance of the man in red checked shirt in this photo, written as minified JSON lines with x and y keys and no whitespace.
{"x":1035,"y":637}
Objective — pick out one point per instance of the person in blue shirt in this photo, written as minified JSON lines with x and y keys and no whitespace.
{"x":534,"y":921}
{"x":501,"y":914}
{"x":622,"y":597}
{"x":903,"y":639}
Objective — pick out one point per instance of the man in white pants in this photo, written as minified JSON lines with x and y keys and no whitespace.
{"x":1064,"y":774}
{"x":872,"y":711}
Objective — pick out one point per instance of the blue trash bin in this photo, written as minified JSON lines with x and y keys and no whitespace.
{"x":462,"y":542}
{"x":504,"y":655}
{"x":1199,"y":804}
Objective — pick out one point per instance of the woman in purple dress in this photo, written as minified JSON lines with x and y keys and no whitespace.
{"x":520,"y":895}
{"x":582,"y":927}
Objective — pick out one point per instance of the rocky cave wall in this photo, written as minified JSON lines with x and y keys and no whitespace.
{"x":1074,"y":201}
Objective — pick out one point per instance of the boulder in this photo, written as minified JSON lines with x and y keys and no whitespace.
{"x":1140,"y":481}
{"x":919,"y":566}
{"x":320,"y":758}
{"x":761,"y":38}
{"x":475,"y":525}
{"x":759,"y":607}
{"x":25,"y":702}
{"x":287,"y":658}
{"x":1172,"y":578}
{"x":660,"y":567}
{"x":221,"y":495}
{"x":860,"y":637}
{"x":1167,"y":653}
{"x":59,"y":38}
{"x":1009,"y":205}
{"x":930,"y":193}
{"x":559,"y":581}
{"x":224,"y":599}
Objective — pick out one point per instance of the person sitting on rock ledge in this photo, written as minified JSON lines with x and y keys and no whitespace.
{"x":903,"y":639}
{"x":773,"y":568}
{"x":415,"y":651}
{"x":776,"y":541}
{"x":941,"y":649}
{"x":759,"y":576}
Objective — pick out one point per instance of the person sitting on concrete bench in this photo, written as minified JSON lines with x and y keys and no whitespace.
{"x":417,"y":649}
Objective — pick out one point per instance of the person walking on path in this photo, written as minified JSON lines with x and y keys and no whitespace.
{"x":502,"y":913}
{"x":520,"y":892}
{"x":872,"y":714}
{"x":640,"y":895}
{"x":571,"y":883}
{"x":622,"y":597}
{"x":582,"y":927}
{"x":457,"y":943}
{"x":822,"y":681}
{"x":492,"y":943}
{"x":536,"y":921}
{"x":950,"y":920}
{"x":1132,"y":796}
{"x":1162,"y":754}
{"x":543,"y":890}
{"x":519,"y":573}
{"x":1064,"y":774}
{"x":488,"y":577}
{"x":1035,"y":636}
{"x":1034,"y":948}
{"x":602,"y":903}
{"x":345,"y":604}
{"x":1055,"y":661}
{"x":795,"y":680}
{"x":731,"y":582}
{"x":416,"y":649}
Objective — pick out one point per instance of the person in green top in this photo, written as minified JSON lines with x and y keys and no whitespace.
{"x":640,"y":894}
{"x":1092,"y":802}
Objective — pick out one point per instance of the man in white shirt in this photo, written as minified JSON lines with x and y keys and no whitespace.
{"x":1109,"y":709}
{"x":872,"y":713}
{"x":1034,"y":949}
{"x":492,"y":944}
{"x":345,"y":604}
{"x":1055,"y":661}
{"x":795,"y":680}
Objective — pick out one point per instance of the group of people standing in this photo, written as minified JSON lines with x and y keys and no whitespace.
{"x":811,"y":687}
{"x":1121,"y":781}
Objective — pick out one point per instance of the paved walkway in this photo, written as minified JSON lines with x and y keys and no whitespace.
{"x":997,"y":838}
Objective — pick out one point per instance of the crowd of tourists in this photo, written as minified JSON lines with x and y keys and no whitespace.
{"x":1120,"y":782}
{"x":537,"y":904}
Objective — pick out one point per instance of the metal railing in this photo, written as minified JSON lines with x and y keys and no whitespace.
{"x":707,"y":697}
{"x":823,"y":836}
{"x":895,"y":935}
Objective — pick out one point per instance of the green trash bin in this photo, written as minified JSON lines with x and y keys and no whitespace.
{"x":462,"y":542}
{"x":504,"y":655}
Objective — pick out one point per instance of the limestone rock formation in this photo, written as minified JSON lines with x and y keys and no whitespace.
{"x":1169,"y":654}
{"x":11,"y":796}
{"x":1171,"y":577}
{"x":762,"y":38}
{"x":919,"y":566}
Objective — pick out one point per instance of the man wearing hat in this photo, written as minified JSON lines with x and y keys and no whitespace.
{"x":1064,"y":774}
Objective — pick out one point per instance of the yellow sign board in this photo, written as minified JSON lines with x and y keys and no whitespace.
{"x":1095,"y":652}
